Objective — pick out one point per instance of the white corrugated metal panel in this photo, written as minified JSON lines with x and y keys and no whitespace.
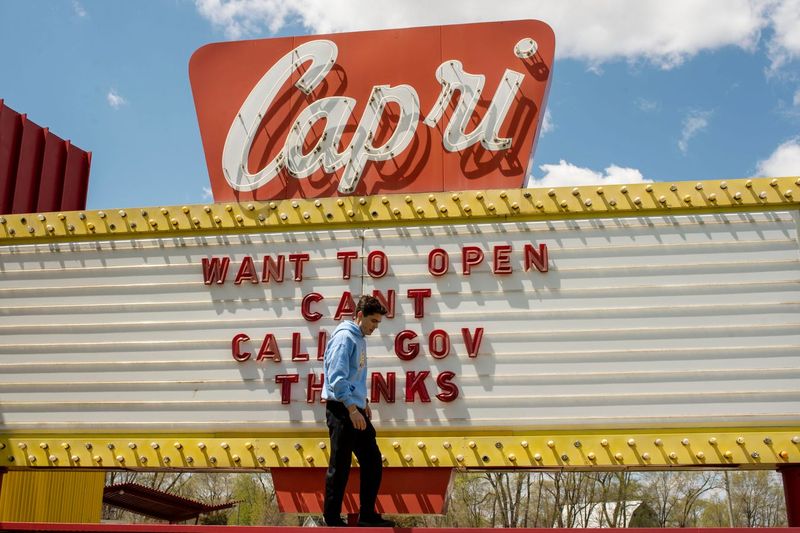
{"x":668,"y":321}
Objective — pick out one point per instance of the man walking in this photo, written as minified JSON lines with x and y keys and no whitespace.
{"x":349,"y":416}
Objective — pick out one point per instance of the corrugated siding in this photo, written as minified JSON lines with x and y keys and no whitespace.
{"x":660,"y":322}
{"x":52,"y":496}
{"x":39,"y":171}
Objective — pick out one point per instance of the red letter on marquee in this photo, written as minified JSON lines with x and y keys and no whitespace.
{"x":269,"y":348}
{"x":298,"y":260}
{"x":297,"y":354}
{"x":438,"y":262}
{"x":272,"y":269}
{"x":380,"y":387}
{"x":314,"y":387}
{"x":472,"y":342}
{"x":439,"y":343}
{"x":387,"y":302}
{"x":406,"y":353}
{"x":449,"y":389}
{"x":322,"y":340}
{"x":415,"y":384}
{"x":377,"y":264}
{"x":215,"y":270}
{"x":285,"y":381}
{"x":346,"y":306}
{"x":419,"y":304}
{"x":305,"y":306}
{"x":239,"y":355}
{"x":537,"y":259}
{"x":470,"y":256}
{"x":247,"y":272}
{"x":502,"y":259}
{"x":347,"y":258}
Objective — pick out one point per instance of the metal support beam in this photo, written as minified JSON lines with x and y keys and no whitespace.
{"x":791,"y":490}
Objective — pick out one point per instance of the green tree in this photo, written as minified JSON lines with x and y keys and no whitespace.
{"x":511,"y":497}
{"x":757,"y":499}
{"x":677,"y":496}
{"x":468,"y":501}
{"x":615,"y":490}
{"x":715,"y":512}
{"x":571,"y":498}
{"x":257,"y":503}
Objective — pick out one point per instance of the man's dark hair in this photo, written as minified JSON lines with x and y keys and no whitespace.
{"x":369,"y":305}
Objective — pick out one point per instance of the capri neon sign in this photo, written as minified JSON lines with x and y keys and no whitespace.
{"x":413,"y":110}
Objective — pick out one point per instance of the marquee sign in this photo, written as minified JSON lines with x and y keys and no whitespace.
{"x":421,"y":109}
{"x":507,"y":337}
{"x":512,"y":324}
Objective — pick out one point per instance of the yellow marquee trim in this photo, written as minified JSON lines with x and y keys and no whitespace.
{"x":758,"y":448}
{"x":559,"y":203}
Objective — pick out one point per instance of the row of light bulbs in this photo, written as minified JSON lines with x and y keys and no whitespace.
{"x":396,"y":445}
{"x":687,"y":199}
{"x":173,"y":223}
{"x":619,"y":457}
{"x":155,"y":446}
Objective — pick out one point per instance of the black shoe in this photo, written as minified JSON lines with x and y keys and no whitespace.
{"x":334,"y":521}
{"x":374,"y":521}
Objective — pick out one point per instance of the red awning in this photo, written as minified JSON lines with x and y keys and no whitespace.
{"x":157,"y":504}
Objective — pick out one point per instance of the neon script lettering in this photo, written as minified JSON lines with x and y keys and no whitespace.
{"x":319,"y":57}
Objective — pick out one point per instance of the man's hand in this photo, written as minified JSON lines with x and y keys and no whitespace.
{"x":357,"y":419}
{"x":369,"y":412}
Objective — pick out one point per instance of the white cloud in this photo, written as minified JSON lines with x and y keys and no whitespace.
{"x":796,"y":99}
{"x":547,"y":122}
{"x":693,"y":123}
{"x":566,"y":174}
{"x":243,"y":18}
{"x":784,"y":45}
{"x":648,"y":106}
{"x":663,"y":33}
{"x":115,"y":100}
{"x":78,"y":8}
{"x":784,"y":161}
{"x":207,"y":194}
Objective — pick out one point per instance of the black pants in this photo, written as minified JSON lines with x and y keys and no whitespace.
{"x":345,"y":441}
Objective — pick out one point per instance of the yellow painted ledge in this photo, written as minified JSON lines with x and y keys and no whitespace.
{"x":637,"y":449}
{"x":662,"y":198}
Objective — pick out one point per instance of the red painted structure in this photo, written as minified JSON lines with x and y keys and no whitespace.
{"x":791,"y":490}
{"x":403,"y":490}
{"x":156,"y":503}
{"x":223,"y":74}
{"x":39,"y":171}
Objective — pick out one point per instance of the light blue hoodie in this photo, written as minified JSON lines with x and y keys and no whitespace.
{"x":345,"y":366}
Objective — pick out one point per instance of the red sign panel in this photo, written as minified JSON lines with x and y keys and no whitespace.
{"x":421,"y":109}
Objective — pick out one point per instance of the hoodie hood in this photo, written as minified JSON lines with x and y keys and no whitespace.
{"x":349,"y":327}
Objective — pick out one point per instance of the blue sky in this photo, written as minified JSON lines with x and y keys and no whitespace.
{"x":641,"y":90}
